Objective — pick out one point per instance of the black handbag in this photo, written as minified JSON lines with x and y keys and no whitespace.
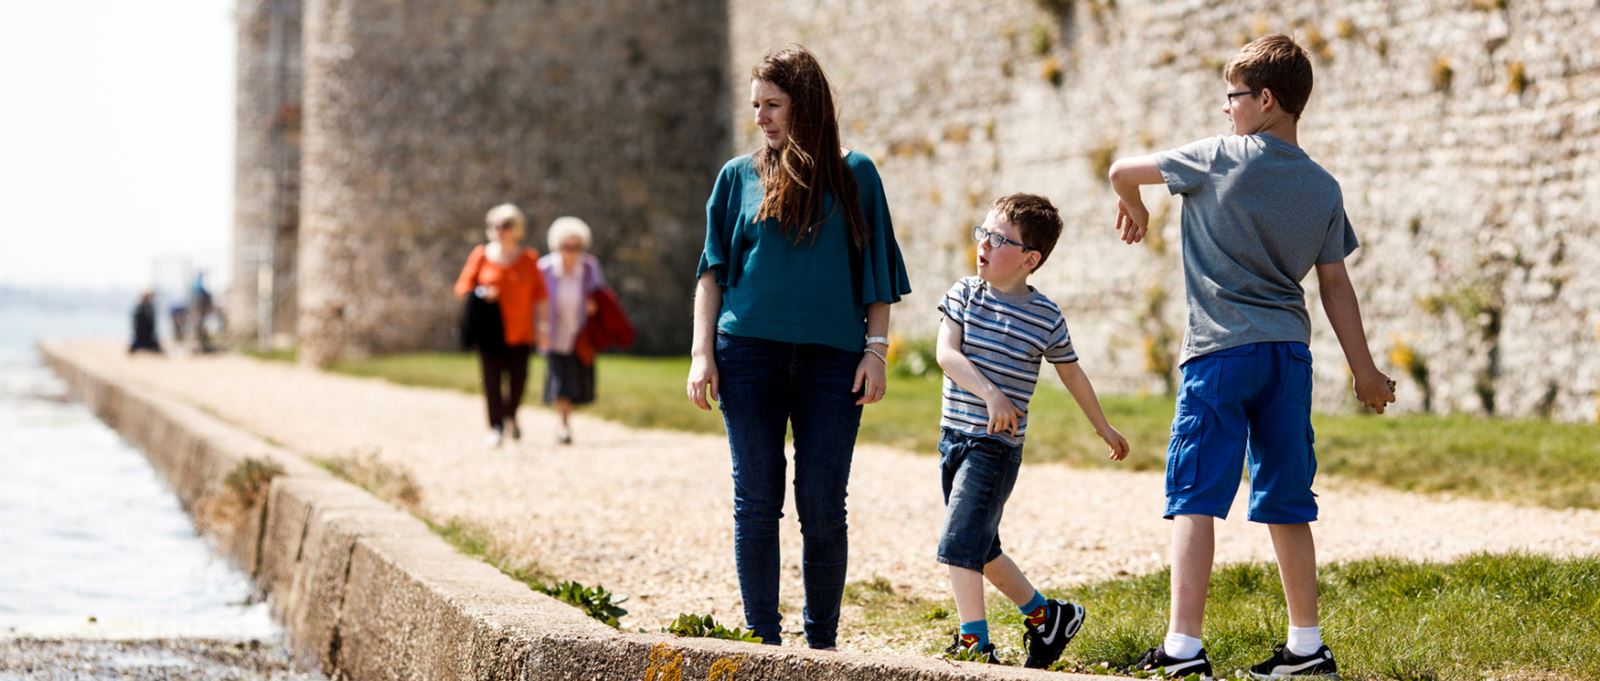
{"x":481,"y":326}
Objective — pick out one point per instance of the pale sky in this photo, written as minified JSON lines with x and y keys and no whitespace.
{"x":116,"y":141}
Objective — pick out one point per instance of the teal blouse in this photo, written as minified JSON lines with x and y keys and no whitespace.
{"x":776,"y":289}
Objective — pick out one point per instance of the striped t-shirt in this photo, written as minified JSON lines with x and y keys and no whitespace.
{"x":1004,"y":336}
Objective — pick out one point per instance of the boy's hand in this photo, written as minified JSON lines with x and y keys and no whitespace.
{"x":1003,"y":414}
{"x":1374,"y":390}
{"x":1117,"y":443}
{"x":1132,"y":221}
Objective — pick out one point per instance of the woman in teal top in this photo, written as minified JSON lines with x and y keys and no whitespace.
{"x":791,"y":310}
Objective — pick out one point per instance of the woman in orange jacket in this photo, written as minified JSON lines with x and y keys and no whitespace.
{"x":505,"y":274}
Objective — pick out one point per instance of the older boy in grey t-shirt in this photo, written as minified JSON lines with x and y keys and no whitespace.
{"x":1258,"y":215}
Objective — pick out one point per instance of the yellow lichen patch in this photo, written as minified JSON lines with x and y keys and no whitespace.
{"x":666,"y":664}
{"x":724,"y":669}
{"x":1443,"y":73}
{"x":1052,"y":71}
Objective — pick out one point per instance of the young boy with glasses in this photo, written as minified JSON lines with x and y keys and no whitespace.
{"x":1258,"y":214}
{"x":996,"y":328}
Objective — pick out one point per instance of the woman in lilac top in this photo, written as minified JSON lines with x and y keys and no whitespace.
{"x":571,"y":275}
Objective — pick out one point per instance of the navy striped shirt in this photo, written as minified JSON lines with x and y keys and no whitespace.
{"x":1004,"y":336}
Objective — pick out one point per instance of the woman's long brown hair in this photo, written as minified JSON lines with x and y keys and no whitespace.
{"x":796,"y":178}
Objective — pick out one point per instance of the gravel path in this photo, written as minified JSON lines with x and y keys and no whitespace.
{"x":649,"y":513}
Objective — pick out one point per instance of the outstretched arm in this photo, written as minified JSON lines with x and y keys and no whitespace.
{"x":1082,"y":391}
{"x":1127,"y":175}
{"x":1373,"y":389}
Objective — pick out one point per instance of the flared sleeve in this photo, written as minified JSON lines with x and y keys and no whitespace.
{"x":883,"y":269}
{"x":723,"y":251}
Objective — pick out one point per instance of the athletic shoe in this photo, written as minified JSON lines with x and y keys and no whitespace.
{"x":1046,"y":640}
{"x":1284,"y":664}
{"x":492,"y":440}
{"x":966,"y":648}
{"x":1156,"y":662}
{"x":563,"y":435}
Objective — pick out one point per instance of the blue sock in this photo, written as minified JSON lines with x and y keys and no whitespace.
{"x":980,"y":629}
{"x":1029,"y":607}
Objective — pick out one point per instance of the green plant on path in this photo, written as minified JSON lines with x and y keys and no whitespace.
{"x":595,"y":601}
{"x":703,"y":626}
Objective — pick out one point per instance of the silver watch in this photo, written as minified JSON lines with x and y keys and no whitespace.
{"x":879,"y":340}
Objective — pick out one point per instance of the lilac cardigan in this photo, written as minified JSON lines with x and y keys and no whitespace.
{"x":550,"y":268}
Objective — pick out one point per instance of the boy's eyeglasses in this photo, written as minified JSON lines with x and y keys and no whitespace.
{"x":1241,"y":93}
{"x":996,"y":239}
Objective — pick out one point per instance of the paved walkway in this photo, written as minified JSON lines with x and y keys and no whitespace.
{"x":649,"y":513}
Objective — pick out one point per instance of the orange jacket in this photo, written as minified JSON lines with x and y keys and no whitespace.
{"x":521,"y":288}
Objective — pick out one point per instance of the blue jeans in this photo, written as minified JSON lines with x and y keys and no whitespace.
{"x":765,"y":386}
{"x":978,"y":474}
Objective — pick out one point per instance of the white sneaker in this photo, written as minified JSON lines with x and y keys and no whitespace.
{"x":563,"y":435}
{"x":493,"y":439}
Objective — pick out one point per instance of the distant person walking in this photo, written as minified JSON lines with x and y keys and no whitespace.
{"x":144,"y":325}
{"x":571,"y":276}
{"x":791,"y":310}
{"x":505,"y":294}
{"x":200,"y":312}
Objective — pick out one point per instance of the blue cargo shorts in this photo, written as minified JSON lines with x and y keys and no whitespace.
{"x":977,"y":473}
{"x":1248,"y":403}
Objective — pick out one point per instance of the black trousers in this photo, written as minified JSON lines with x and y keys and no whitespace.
{"x":501,"y":366}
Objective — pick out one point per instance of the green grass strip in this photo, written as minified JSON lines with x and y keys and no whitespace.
{"x":1486,"y":615}
{"x":1521,"y":461}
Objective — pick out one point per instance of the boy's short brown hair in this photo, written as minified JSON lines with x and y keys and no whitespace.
{"x":1274,"y":62}
{"x":1036,"y":220}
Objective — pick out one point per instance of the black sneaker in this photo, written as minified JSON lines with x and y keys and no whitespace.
{"x":1285,"y":664}
{"x":1062,"y":620}
{"x":966,"y":648}
{"x":1156,"y":662}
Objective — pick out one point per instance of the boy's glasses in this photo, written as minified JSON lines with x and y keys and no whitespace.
{"x":1241,"y":93}
{"x":996,"y":239}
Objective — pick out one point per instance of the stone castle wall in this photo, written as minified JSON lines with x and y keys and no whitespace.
{"x":422,"y":115}
{"x":1466,"y":137}
{"x":267,"y":169}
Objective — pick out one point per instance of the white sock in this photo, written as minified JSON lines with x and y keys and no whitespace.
{"x":1304,"y":641}
{"x":1181,"y":647}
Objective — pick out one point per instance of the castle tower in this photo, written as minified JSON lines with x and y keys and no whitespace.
{"x":421,"y":115}
{"x":261,"y":302}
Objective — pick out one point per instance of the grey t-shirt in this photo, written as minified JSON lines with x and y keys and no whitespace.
{"x":1258,"y":213}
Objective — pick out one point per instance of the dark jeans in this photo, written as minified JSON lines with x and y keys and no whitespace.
{"x":765,"y":386}
{"x":978,"y":474}
{"x":502,"y":365}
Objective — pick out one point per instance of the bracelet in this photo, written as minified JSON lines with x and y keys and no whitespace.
{"x":877,"y":354}
{"x":878,"y":340}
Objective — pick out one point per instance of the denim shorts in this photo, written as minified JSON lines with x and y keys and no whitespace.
{"x":977,"y":473}
{"x":1248,"y":403}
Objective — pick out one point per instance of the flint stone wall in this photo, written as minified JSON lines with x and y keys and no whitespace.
{"x":1466,"y":137}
